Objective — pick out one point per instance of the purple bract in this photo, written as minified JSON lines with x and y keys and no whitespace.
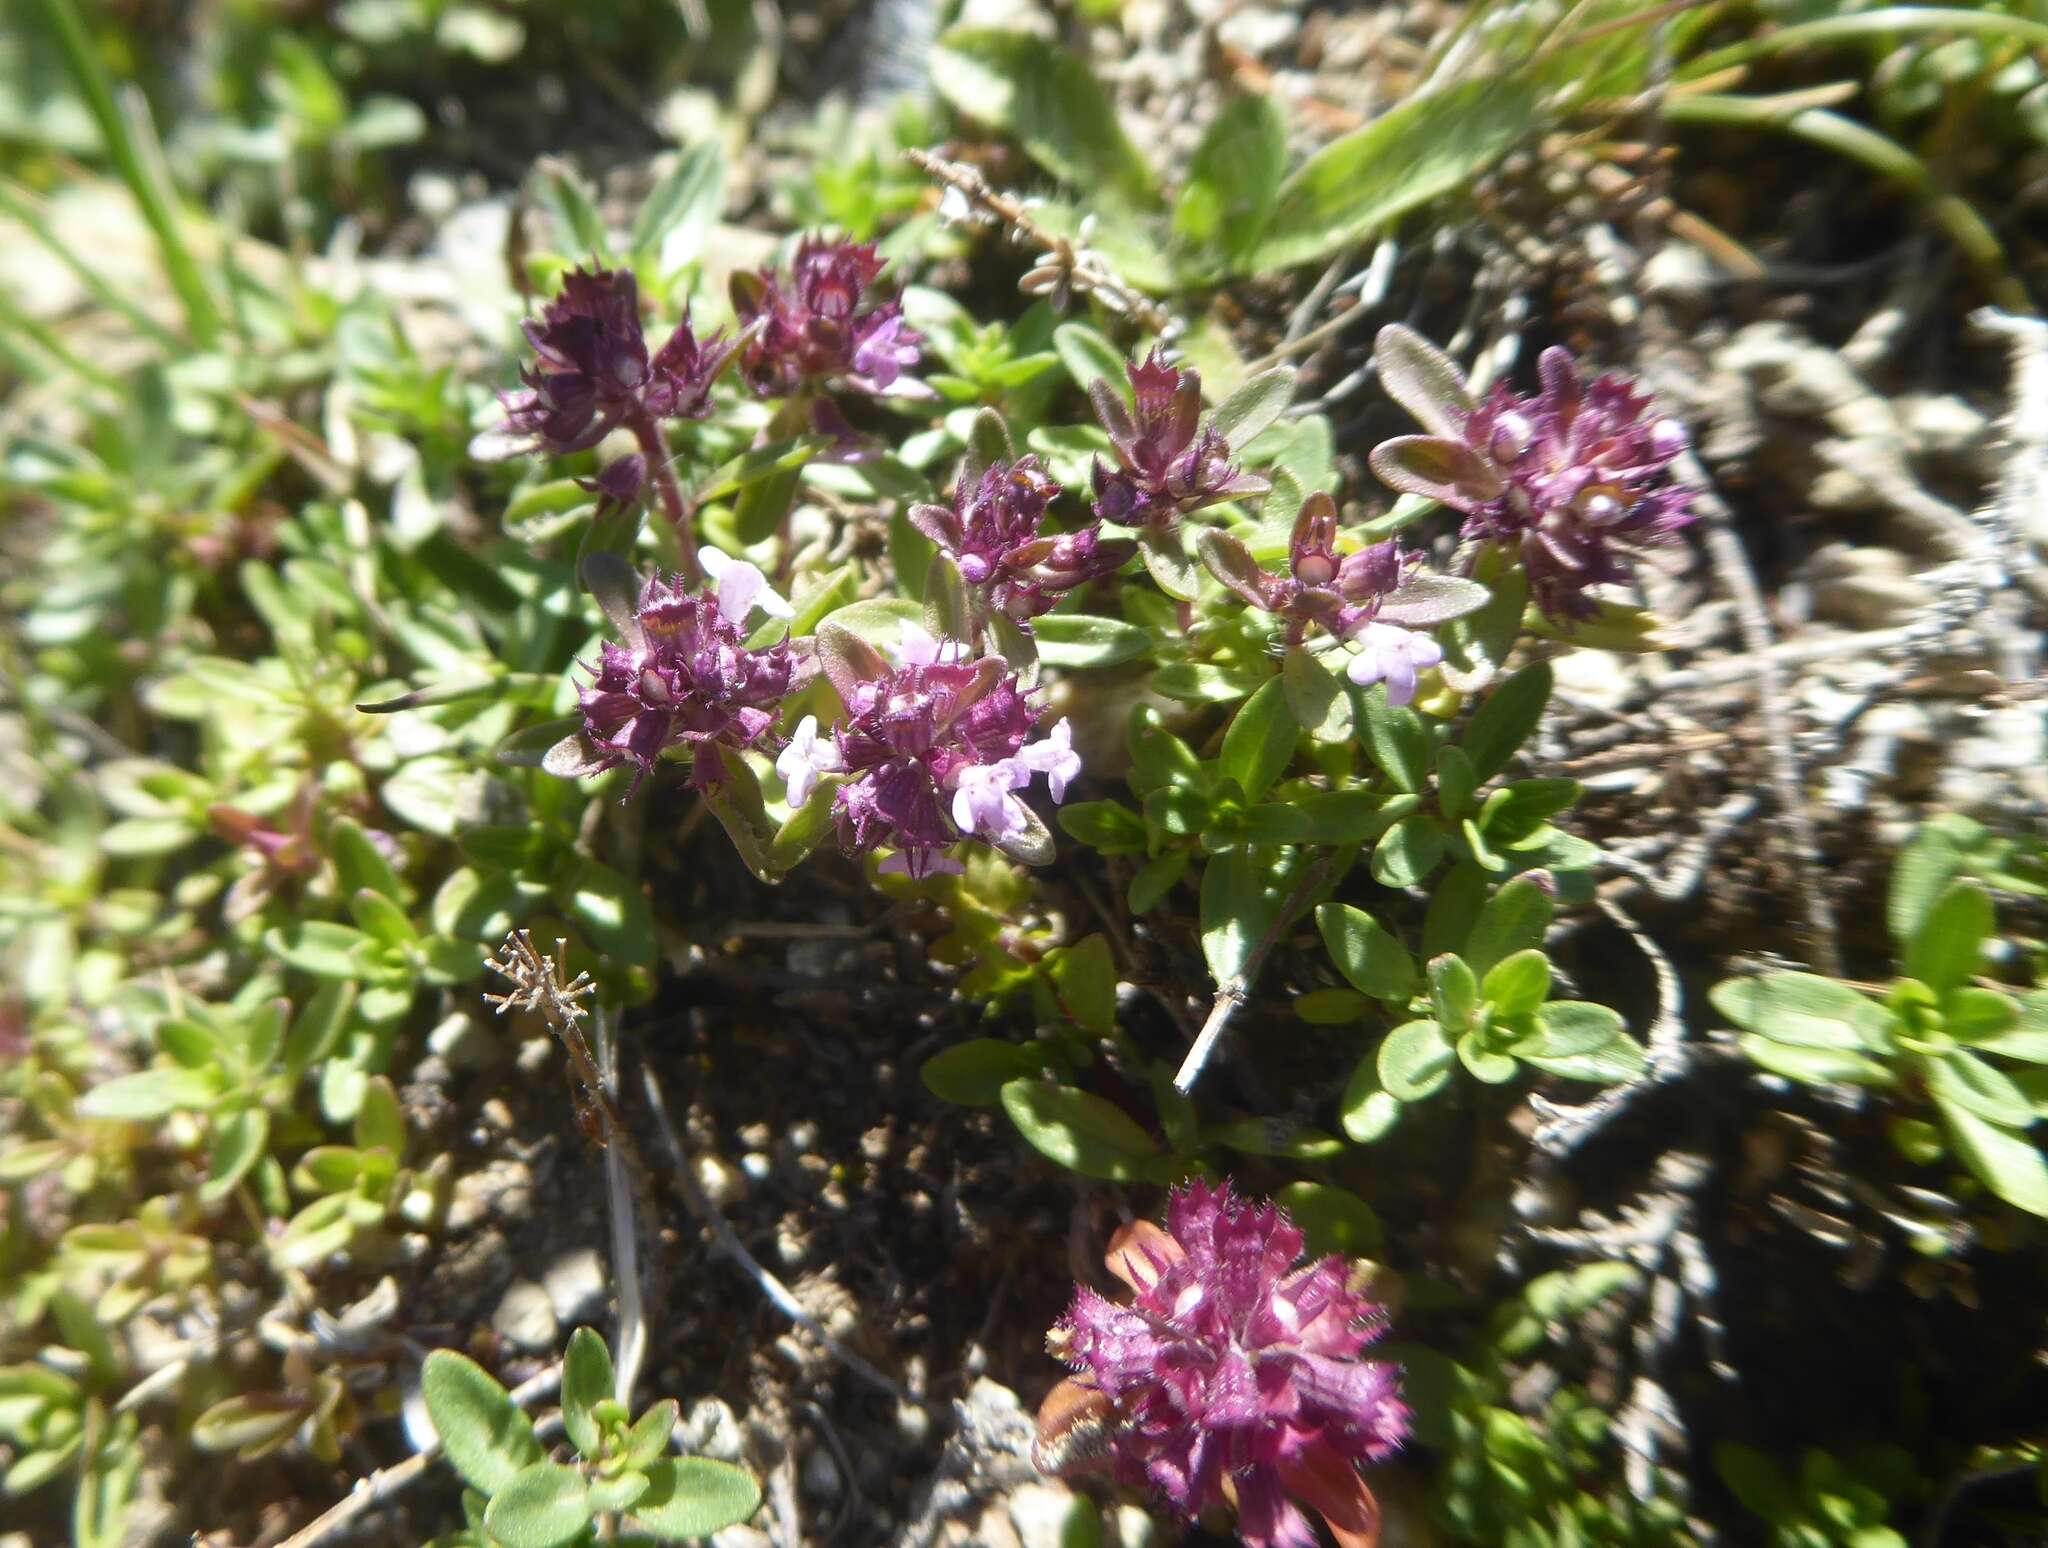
{"x":933,"y":750}
{"x":1573,"y":478}
{"x":592,"y":371}
{"x":1167,"y":462}
{"x":808,"y":327}
{"x":688,"y":677}
{"x":991,"y":532}
{"x":1232,"y":1376}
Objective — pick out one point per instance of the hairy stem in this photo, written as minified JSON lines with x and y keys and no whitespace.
{"x":662,"y":470}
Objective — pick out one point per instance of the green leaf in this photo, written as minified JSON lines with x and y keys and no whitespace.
{"x":1233,"y":177}
{"x":246,"y":1425}
{"x":380,"y":918}
{"x":1455,"y":783}
{"x":1961,"y":1079}
{"x":1079,"y":640}
{"x":1503,"y":722}
{"x":358,"y":863}
{"x":617,"y":1492}
{"x":1156,"y":878}
{"x":1620,"y":1060}
{"x":236,"y":1143}
{"x":542,"y":1506}
{"x":1365,"y":953}
{"x":974,"y":1073}
{"x":1239,"y":903}
{"x":678,"y":213}
{"x":1572,"y":1027}
{"x":1045,"y":95}
{"x":1408,"y":851}
{"x":1089,"y":357}
{"x":1923,"y":872}
{"x":613,"y":912}
{"x":1515,"y":918}
{"x":946,"y":612}
{"x":131,"y":146}
{"x":648,"y":1438}
{"x":1254,"y":407}
{"x":1426,"y":147}
{"x":1108,"y":826}
{"x":1414,"y":1062}
{"x":1260,"y":742}
{"x":1334,"y":1220}
{"x":1947,"y":948}
{"x":1801,"y":1008}
{"x":1331,"y":1007}
{"x":317,"y":947}
{"x":1395,"y":739}
{"x":587,"y":1381}
{"x":764,"y":504}
{"x":2007,"y":1163}
{"x":485,"y":1435}
{"x":137,"y":837}
{"x":151,"y":1094}
{"x":1517,"y":984}
{"x":694,"y":1497}
{"x":1167,"y":562}
{"x":430,"y":793}
{"x":1275,"y":1137}
{"x":1495,"y":1069}
{"x":1814,"y":1065}
{"x":1453,"y":992}
{"x":1084,"y":974}
{"x":1316,"y":697}
{"x":1078,"y":1130}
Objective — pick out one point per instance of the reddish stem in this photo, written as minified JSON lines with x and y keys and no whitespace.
{"x":663,"y":472}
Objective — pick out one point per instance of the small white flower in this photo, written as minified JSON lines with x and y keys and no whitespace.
{"x":982,"y":802}
{"x":918,"y":648}
{"x":741,"y":588}
{"x":1055,"y":758}
{"x":1393,"y":656}
{"x":804,"y":759}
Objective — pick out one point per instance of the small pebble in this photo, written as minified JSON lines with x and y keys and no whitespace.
{"x":820,"y":1479}
{"x":711,"y":1429}
{"x":1041,"y":1513}
{"x":723,"y":1183}
{"x":755,"y":1165}
{"x":575,"y":1283}
{"x":526,"y":1317}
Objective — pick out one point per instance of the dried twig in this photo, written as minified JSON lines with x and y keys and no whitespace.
{"x":1565,"y":1129}
{"x":1069,"y":265}
{"x":1732,"y":569}
{"x":386,"y":1483}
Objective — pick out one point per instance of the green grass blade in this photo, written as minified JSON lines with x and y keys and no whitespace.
{"x":1890,"y":160}
{"x":134,"y":158}
{"x":1889,"y":22}
{"x":17,"y":202}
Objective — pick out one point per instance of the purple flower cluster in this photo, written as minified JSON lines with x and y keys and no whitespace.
{"x":1574,"y":478}
{"x":592,"y":372}
{"x":685,"y":675}
{"x":933,"y":749}
{"x":1374,"y":598}
{"x":819,"y":323}
{"x":991,"y":532}
{"x":1232,"y":1376}
{"x":1167,"y":462}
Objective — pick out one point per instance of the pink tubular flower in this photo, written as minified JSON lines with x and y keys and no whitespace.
{"x":1232,"y":1376}
{"x":1575,"y":477}
{"x":991,"y":533}
{"x":808,"y":327}
{"x":1167,"y":463}
{"x":685,"y":675}
{"x":1375,"y":597}
{"x":592,"y":372}
{"x":933,"y":749}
